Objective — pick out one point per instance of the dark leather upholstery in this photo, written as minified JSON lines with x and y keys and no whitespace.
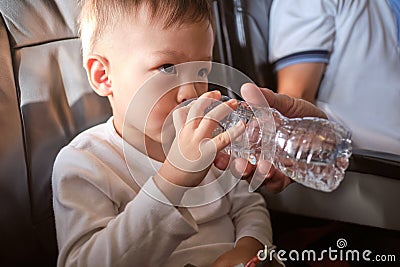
{"x":45,"y":100}
{"x":242,"y":38}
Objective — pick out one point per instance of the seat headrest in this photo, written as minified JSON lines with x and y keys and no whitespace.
{"x":32,"y":22}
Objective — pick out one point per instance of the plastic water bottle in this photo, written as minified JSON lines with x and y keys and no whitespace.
{"x":312,"y":151}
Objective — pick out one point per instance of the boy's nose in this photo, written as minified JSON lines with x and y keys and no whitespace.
{"x":186,"y":92}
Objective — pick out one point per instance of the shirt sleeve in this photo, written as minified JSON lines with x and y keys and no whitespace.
{"x":301,"y":31}
{"x":91,"y":231}
{"x":249,"y":214}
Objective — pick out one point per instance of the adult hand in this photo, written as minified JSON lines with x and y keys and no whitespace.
{"x":275,"y":181}
{"x":288,"y":106}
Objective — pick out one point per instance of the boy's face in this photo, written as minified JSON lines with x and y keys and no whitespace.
{"x":136,"y":51}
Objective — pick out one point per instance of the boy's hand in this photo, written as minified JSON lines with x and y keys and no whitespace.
{"x":194,"y":149}
{"x":246,"y":248}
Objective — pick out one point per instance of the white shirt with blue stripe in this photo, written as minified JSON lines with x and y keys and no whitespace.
{"x":359,"y":41}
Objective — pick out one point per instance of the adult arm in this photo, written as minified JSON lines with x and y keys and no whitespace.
{"x":301,"y":80}
{"x":302,"y":37}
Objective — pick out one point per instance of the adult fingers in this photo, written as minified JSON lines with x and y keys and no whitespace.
{"x":276,"y":181}
{"x":222,"y":160}
{"x":241,"y":168}
{"x":288,"y":106}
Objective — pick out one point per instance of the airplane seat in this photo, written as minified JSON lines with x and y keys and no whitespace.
{"x":242,"y":38}
{"x":45,"y":100}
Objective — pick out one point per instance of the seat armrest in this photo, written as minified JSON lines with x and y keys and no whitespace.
{"x":365,"y":196}
{"x":376,"y":163}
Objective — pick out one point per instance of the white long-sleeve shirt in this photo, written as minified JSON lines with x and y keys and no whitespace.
{"x":104,"y":219}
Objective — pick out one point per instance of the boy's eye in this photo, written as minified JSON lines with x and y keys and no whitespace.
{"x":203,"y":72}
{"x":168,"y":69}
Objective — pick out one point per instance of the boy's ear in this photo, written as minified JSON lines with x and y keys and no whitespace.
{"x":97,"y":68}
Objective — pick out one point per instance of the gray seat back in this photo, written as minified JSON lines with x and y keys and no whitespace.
{"x":45,"y":100}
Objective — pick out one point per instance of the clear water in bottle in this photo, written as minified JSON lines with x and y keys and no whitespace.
{"x":312,"y":151}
